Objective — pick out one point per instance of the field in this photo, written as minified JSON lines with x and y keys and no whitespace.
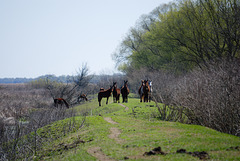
{"x":132,"y":131}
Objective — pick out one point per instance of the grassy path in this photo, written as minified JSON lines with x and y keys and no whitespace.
{"x":114,"y":133}
{"x":129,"y":131}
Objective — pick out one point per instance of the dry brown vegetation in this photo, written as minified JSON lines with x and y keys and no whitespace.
{"x":207,"y":96}
{"x":23,"y":110}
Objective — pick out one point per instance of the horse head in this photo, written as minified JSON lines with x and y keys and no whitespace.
{"x":114,"y":86}
{"x":146,"y":86}
{"x":125,"y":83}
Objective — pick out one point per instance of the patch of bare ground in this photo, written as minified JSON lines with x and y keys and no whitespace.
{"x":108,"y":119}
{"x":126,"y":108}
{"x":115,"y":132}
{"x":97,"y":152}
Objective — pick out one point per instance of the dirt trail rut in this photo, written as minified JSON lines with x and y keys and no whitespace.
{"x":97,"y":152}
{"x":126,"y":108}
{"x":114,"y":134}
{"x":108,"y":119}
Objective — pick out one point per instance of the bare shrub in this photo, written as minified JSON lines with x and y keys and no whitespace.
{"x":71,"y":89}
{"x":23,"y":111}
{"x":22,"y":140}
{"x":213,"y":96}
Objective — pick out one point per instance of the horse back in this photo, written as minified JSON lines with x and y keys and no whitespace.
{"x":106,"y":93}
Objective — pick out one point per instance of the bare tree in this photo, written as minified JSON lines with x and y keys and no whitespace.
{"x":71,"y":89}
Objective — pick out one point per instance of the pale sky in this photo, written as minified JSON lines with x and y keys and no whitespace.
{"x":39,"y":37}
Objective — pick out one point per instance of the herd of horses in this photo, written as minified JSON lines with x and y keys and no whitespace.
{"x":144,"y":92}
{"x":116,"y":93}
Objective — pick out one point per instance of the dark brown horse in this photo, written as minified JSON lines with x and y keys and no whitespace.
{"x":116,"y":93}
{"x":82,"y":97}
{"x":104,"y":94}
{"x":125,"y":91}
{"x":60,"y":101}
{"x":144,"y":90}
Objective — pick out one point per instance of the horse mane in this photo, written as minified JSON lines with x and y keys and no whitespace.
{"x":65,"y":102}
{"x":56,"y":101}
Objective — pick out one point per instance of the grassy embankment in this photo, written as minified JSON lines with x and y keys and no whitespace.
{"x":139,"y":131}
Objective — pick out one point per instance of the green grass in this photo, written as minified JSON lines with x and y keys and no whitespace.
{"x":141,"y":131}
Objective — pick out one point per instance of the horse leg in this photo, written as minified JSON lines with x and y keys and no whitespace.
{"x":118,"y":99}
{"x":124,"y":98}
{"x":99,"y":100}
{"x":146,"y":98}
{"x":107,"y":100}
{"x":141,"y":98}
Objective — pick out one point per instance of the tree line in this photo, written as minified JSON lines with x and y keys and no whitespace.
{"x":52,"y":77}
{"x":179,"y":36}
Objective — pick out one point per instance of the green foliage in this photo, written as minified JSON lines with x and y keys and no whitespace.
{"x":179,"y":36}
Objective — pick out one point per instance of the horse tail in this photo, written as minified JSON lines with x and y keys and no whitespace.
{"x":55,"y":102}
{"x":122,"y":90}
{"x":139,"y":91}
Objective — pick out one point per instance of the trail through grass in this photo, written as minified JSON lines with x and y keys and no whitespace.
{"x":117,"y":132}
